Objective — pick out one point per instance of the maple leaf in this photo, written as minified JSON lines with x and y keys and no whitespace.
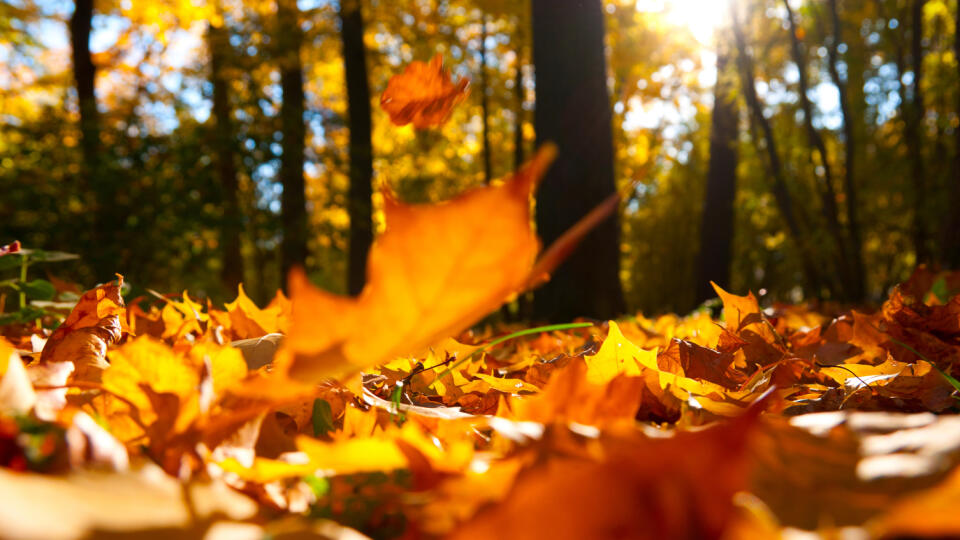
{"x":423,"y":94}
{"x":434,"y":271}
{"x":246,"y":320}
{"x":93,"y":325}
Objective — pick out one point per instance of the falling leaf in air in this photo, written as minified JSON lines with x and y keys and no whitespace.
{"x":433,"y":272}
{"x":423,"y":94}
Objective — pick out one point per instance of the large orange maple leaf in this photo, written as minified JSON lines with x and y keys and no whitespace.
{"x":434,"y":271}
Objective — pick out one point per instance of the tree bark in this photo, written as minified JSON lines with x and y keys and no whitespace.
{"x":716,"y":229}
{"x":951,"y":234}
{"x":573,"y":111}
{"x":858,"y":292}
{"x":360,"y":206}
{"x":914,"y":134}
{"x":91,"y":174}
{"x":293,"y":204}
{"x":224,"y":144}
{"x":781,"y":192}
{"x":485,"y":101}
{"x":828,"y":194}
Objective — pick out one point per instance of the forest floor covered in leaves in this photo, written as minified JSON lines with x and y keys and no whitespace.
{"x":380,"y":416}
{"x":765,"y":422}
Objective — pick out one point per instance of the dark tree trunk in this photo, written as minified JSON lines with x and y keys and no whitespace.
{"x":716,"y":229}
{"x":828,"y":195}
{"x":849,"y":145}
{"x":485,"y":101}
{"x":360,"y":206}
{"x":84,"y":74}
{"x":573,"y":111}
{"x":224,"y":144}
{"x":524,"y":301}
{"x":519,"y":155}
{"x":293,"y":202}
{"x":951,"y":235}
{"x":914,"y":133}
{"x":781,"y":193}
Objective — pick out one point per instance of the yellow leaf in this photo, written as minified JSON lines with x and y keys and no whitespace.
{"x":509,"y":386}
{"x":145,"y":362}
{"x":247,"y":320}
{"x":618,"y":355}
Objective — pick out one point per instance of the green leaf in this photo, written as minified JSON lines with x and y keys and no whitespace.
{"x":39,"y":289}
{"x":25,"y":314}
{"x":13,"y":260}
{"x":38,"y":255}
{"x":322,"y":418}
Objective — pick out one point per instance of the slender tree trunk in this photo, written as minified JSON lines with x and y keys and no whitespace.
{"x":914,"y":134}
{"x":716,"y":229}
{"x":573,"y":111}
{"x":360,"y":206}
{"x":224,"y":143}
{"x":293,"y":204}
{"x":781,"y":192}
{"x":524,"y":301}
{"x":85,"y":74}
{"x":485,"y":101}
{"x":519,"y":155}
{"x":951,"y":235}
{"x":849,"y":145}
{"x":828,"y":195}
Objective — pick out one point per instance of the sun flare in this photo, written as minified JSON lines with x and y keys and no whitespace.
{"x":702,"y":17}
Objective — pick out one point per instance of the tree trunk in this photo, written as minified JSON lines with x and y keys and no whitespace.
{"x":485,"y":101}
{"x":360,"y":206}
{"x":573,"y":111}
{"x":914,"y":134}
{"x":85,"y":74}
{"x":849,"y":145}
{"x":524,"y":301}
{"x":781,"y":192}
{"x":951,"y":234}
{"x":716,"y":229}
{"x":224,"y":144}
{"x":828,"y":195}
{"x":293,"y":202}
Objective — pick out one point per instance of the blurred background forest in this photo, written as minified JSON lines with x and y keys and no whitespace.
{"x":805,"y":148}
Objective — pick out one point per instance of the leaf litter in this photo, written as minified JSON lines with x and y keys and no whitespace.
{"x":393,"y":415}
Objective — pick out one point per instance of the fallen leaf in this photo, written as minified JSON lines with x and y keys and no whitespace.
{"x":83,"y":338}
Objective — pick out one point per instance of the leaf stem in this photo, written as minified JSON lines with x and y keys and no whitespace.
{"x":519,"y":333}
{"x":23,"y":280}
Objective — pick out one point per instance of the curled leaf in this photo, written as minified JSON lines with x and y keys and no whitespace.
{"x":91,"y":327}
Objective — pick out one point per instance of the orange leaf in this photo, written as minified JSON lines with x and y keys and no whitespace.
{"x":247,"y":320}
{"x":423,"y":94}
{"x":680,"y":487}
{"x":83,"y":338}
{"x":435,"y":270}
